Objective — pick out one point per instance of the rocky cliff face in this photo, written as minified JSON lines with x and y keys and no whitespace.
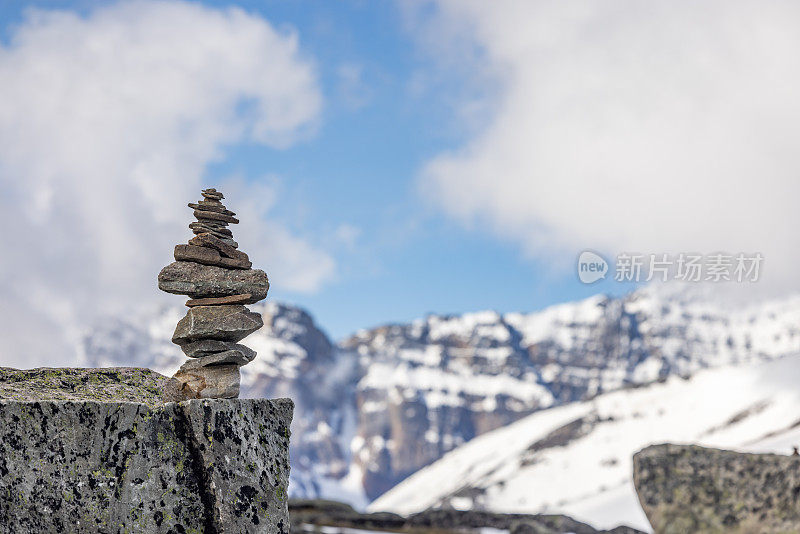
{"x":93,"y":450}
{"x":438,"y":382}
{"x":390,"y":400}
{"x":686,"y":488}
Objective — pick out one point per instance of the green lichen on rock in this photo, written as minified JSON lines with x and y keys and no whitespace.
{"x":109,"y":384}
{"x":687,"y":488}
{"x":86,"y":465}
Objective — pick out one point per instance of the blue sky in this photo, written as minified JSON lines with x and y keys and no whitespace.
{"x":360,"y":169}
{"x":547,"y":168}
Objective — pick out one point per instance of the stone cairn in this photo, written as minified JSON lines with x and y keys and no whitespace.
{"x":219,"y":281}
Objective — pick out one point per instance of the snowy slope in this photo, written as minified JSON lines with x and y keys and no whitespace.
{"x":576,"y":459}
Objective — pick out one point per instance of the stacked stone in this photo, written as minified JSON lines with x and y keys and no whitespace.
{"x":219,"y":280}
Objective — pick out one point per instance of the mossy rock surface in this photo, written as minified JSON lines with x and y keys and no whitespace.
{"x":109,"y":384}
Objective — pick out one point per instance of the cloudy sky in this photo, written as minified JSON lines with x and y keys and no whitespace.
{"x":387,"y":159}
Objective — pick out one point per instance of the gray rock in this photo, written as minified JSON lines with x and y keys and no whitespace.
{"x":211,"y":206}
{"x":229,"y":357}
{"x":208,"y":256}
{"x":214,"y":195}
{"x":214,"y":382}
{"x":213,"y":225}
{"x":204,"y":215}
{"x":224,"y":248}
{"x":207,"y":204}
{"x":232,"y":263}
{"x":83,"y":466}
{"x":202,"y":281}
{"x":224,"y":323}
{"x":217,"y":301}
{"x":199,"y":228}
{"x":216,"y":225}
{"x":203,"y":255}
{"x":204,"y":347}
{"x":686,"y":488}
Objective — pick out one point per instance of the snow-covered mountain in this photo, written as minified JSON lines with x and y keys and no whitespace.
{"x":387,"y":401}
{"x":576,"y":459}
{"x":435,"y":383}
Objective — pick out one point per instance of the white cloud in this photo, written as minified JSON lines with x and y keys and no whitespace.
{"x":107,"y":124}
{"x":646,"y":126}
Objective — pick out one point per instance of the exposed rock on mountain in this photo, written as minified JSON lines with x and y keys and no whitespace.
{"x":297,"y":359}
{"x":686,"y":488}
{"x":435,"y":383}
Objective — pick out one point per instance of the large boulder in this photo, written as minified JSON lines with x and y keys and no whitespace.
{"x":202,"y":281}
{"x":74,"y":460}
{"x":687,"y":488}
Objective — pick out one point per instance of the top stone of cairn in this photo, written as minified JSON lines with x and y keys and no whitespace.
{"x":219,"y":279}
{"x":212,"y":194}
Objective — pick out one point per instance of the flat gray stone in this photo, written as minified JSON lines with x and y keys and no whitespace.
{"x":208,"y":256}
{"x":221,"y":232}
{"x":211,"y":206}
{"x":216,"y":301}
{"x":203,"y":281}
{"x":229,"y":357}
{"x":215,"y":216}
{"x":217,"y":225}
{"x":224,"y":323}
{"x":203,"y":255}
{"x":224,"y":248}
{"x":83,"y":466}
{"x":204,"y":347}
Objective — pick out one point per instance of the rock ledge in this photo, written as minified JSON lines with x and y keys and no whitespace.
{"x":72,"y":463}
